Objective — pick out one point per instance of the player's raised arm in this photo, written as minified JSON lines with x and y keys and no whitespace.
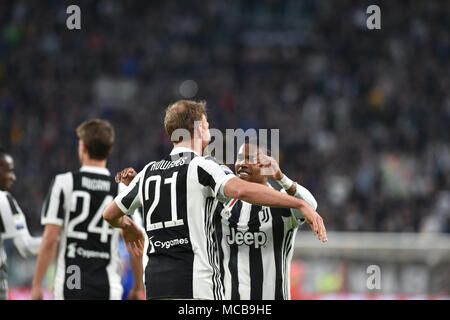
{"x":272,"y":169}
{"x":264,"y":196}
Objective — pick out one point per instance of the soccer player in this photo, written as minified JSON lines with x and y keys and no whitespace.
{"x":12,"y":222}
{"x":88,"y":263}
{"x":256,"y":243}
{"x":178,"y":196}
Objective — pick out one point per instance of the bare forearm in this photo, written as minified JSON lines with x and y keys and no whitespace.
{"x":45,"y":258}
{"x":114,"y":216}
{"x":260,"y":195}
{"x":138,"y":270}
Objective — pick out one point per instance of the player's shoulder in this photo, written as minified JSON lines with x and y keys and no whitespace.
{"x":4,"y":194}
{"x":65,"y":177}
{"x":209,"y":160}
{"x":212,"y":166}
{"x":6,"y":198}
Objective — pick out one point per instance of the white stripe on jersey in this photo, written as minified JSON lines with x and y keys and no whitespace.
{"x":205,"y":283}
{"x":268,"y":262}
{"x":62,"y":183}
{"x":60,"y":270}
{"x":227,"y":275}
{"x":113,"y":269}
{"x":243,"y":255}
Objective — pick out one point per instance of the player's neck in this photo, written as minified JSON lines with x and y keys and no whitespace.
{"x":197,"y":147}
{"x":94,"y":163}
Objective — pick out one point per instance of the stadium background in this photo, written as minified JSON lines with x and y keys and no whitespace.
{"x":363,"y":114}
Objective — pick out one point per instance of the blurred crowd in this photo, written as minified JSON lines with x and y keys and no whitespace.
{"x":364,"y":115}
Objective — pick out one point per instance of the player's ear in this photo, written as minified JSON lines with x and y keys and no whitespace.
{"x":82,"y":147}
{"x":198,"y":128}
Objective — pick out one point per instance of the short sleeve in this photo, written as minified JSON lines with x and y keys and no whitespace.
{"x":54,"y":208}
{"x":214,"y":175}
{"x":128,"y":199}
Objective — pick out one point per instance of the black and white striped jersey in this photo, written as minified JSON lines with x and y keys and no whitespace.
{"x":178,"y":198}
{"x":256,"y":245}
{"x":76,"y":202}
{"x":13,"y":225}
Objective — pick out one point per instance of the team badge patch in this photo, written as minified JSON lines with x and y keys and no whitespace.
{"x":226,"y":169}
{"x":18,"y":221}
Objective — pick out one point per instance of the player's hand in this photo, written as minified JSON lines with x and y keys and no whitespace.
{"x":315,"y":221}
{"x":126,"y":176}
{"x":270,"y":167}
{"x":37,"y":293}
{"x":136,"y":294}
{"x":134,"y":238}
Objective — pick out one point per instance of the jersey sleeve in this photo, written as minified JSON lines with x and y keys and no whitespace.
{"x":128,"y":199}
{"x":213,"y":175}
{"x":304,"y":194}
{"x":54,"y":208}
{"x":12,"y":219}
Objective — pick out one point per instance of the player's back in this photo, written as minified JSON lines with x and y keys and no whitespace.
{"x":88,"y":265}
{"x":178,"y":194}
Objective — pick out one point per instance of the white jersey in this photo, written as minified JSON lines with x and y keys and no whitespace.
{"x":256,"y":245}
{"x":76,"y":202}
{"x":13,"y":225}
{"x":178,"y":195}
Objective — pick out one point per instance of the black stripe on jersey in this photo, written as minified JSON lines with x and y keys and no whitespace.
{"x":219,"y":234}
{"x":278,"y":235}
{"x":286,"y":249}
{"x":14,"y":209}
{"x":47,"y":198}
{"x":2,"y":226}
{"x":256,"y":264}
{"x":217,"y":288}
{"x":61,"y":211}
{"x":233,"y":263}
{"x":128,"y":199}
{"x":205,"y":178}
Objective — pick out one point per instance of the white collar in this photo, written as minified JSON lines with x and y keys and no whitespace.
{"x":177,"y":150}
{"x":97,"y":170}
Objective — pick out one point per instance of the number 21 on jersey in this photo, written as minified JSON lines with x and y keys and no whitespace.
{"x":173,"y":202}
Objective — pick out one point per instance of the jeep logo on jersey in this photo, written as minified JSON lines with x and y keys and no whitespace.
{"x":256,"y":239}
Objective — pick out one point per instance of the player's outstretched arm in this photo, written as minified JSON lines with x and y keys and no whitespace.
{"x":47,"y":253}
{"x":131,"y":233}
{"x":264,"y":196}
